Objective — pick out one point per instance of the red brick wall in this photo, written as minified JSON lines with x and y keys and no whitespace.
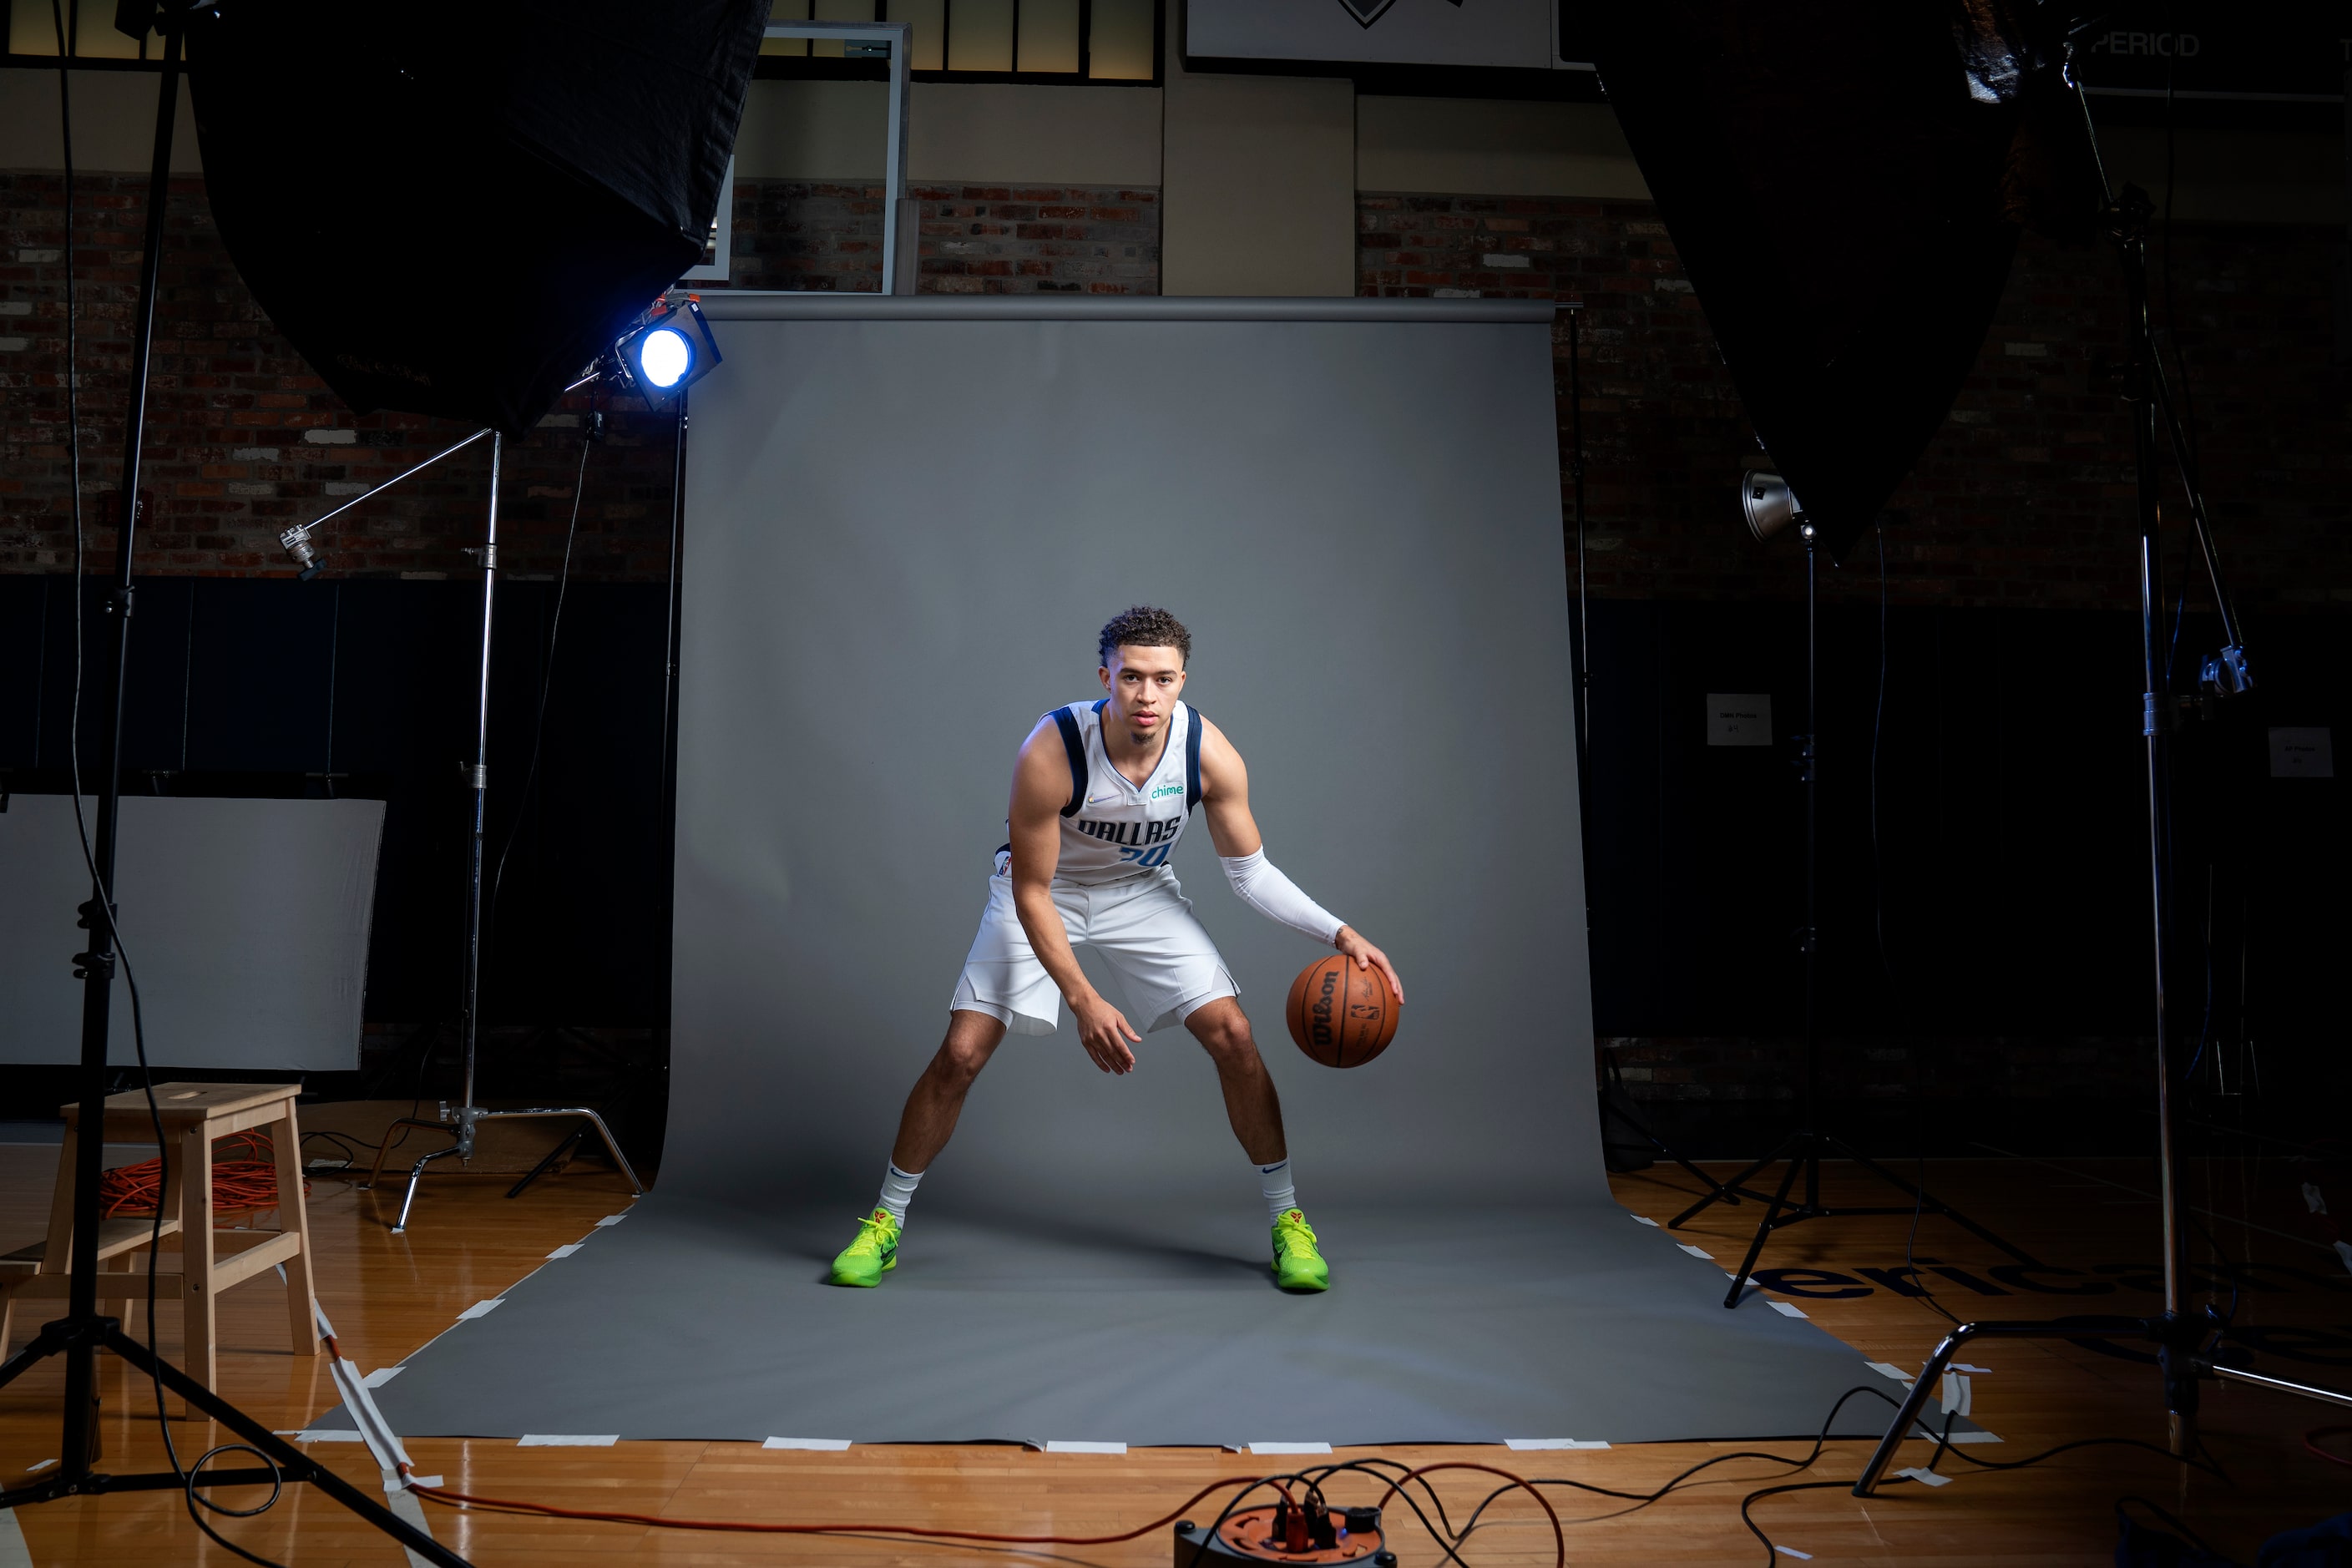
{"x":975,"y":239}
{"x":243,"y":439}
{"x":2024,"y":499}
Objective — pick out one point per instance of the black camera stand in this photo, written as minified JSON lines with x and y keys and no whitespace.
{"x":1805,"y":1149}
{"x":84,"y":1330}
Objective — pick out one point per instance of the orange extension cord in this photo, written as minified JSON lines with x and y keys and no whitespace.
{"x":239,"y":1186}
{"x":466,"y":1500}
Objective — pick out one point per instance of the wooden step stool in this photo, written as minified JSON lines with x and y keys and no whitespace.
{"x":194,"y":1115}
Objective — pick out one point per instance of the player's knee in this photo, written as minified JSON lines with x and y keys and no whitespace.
{"x":958,"y":1063}
{"x":961,"y":1057}
{"x":1228,"y":1037}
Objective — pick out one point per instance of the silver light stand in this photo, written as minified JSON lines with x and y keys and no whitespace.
{"x":2184,"y":1343}
{"x":461,"y":1121}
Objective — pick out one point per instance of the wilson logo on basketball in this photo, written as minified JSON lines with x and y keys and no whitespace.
{"x":1339,"y":1014}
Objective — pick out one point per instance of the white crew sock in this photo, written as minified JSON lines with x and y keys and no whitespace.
{"x":897,"y":1192}
{"x":1281,"y":1196}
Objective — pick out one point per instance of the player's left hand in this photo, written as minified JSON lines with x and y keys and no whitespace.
{"x":1367,"y":956}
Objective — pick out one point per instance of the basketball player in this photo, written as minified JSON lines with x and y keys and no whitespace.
{"x":1100,"y":796}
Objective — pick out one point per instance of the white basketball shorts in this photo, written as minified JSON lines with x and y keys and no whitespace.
{"x":1144,"y":929}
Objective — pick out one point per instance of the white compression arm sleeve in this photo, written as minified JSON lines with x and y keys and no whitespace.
{"x":1264,"y":888}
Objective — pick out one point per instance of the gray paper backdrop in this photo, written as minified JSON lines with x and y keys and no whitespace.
{"x":906,"y":522}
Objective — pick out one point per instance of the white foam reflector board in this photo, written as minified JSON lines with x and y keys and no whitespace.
{"x":245,"y":922}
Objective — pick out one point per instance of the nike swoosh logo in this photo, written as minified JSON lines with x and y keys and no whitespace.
{"x":1099,"y":799}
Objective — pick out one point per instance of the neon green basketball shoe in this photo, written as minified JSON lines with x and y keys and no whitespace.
{"x":1297,"y":1265}
{"x":874,"y":1254}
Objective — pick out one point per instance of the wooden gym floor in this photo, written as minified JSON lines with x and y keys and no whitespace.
{"x":387,"y":1295}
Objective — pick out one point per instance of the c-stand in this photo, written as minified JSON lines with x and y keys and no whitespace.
{"x":2184,"y":1343}
{"x":83,"y":1331}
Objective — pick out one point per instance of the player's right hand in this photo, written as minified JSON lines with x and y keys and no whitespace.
{"x":1103,"y":1030}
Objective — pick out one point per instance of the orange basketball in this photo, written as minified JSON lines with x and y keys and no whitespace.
{"x":1341,"y":1016}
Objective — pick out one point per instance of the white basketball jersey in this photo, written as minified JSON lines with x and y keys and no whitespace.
{"x":1112,"y":828}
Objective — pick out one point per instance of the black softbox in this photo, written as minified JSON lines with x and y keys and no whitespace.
{"x":451,"y":209}
{"x":1844,"y":181}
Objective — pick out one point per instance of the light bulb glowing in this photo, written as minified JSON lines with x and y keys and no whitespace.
{"x":663,"y":356}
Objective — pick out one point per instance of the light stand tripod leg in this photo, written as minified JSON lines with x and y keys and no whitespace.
{"x":612,"y":1148}
{"x":1801,"y":1159}
{"x":1735,"y":1188}
{"x":559,"y":1156}
{"x":287,"y":1459}
{"x":417,"y":1174}
{"x":1715,"y":1191}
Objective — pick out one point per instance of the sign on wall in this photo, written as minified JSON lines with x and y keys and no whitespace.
{"x":1505,"y":34}
{"x":2287,"y":49}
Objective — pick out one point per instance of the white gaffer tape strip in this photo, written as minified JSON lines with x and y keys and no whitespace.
{"x":1926,"y":1478}
{"x":38,"y":1466}
{"x":1888,"y":1369}
{"x":329,"y":1434}
{"x":1290,"y":1448}
{"x":565,"y":1440}
{"x":1958,"y":1398}
{"x":1696,"y":1251}
{"x":1792,"y":1551}
{"x":426,"y":1480}
{"x":1536,"y":1445}
{"x":567,"y":1249}
{"x":610,"y":1220}
{"x":14,"y":1552}
{"x":482,"y":1309}
{"x":402,"y":1502}
{"x":1963,"y":1366}
{"x":1059,"y":1446}
{"x":1642,"y":1219}
{"x":1788,"y":1309}
{"x":381,"y":1377}
{"x":820,"y":1445}
{"x":1974,"y":1437}
{"x":381,"y":1441}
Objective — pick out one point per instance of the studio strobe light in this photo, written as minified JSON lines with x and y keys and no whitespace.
{"x":1768,"y":504}
{"x":668,"y":352}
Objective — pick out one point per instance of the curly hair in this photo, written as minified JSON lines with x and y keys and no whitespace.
{"x":1146,"y":627}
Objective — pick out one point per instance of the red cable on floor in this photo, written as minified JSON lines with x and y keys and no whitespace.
{"x":462,"y":1500}
{"x":455,"y":1499}
{"x":2311,"y":1441}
